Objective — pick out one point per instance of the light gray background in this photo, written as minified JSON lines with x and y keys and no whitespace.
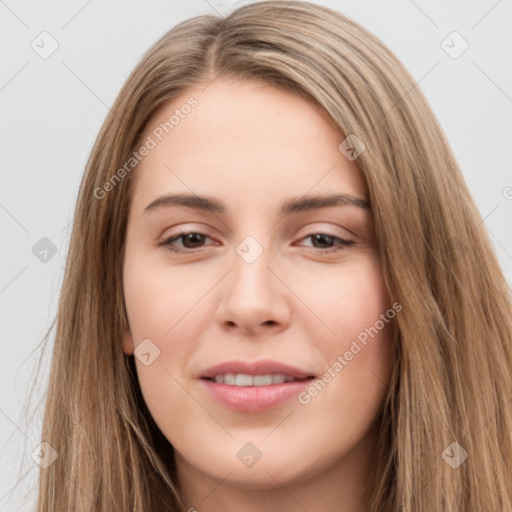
{"x":53,"y":108}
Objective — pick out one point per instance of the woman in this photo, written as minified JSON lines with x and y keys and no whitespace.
{"x":208,"y":357}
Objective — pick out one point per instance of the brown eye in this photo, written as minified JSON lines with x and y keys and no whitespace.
{"x":323,"y":242}
{"x":190,"y":240}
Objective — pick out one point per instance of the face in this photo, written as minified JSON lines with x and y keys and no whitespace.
{"x":291,"y":292}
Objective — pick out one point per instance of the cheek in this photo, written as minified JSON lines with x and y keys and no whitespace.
{"x":164,"y":306}
{"x":359,"y":355}
{"x":160,"y":309}
{"x":350,"y":299}
{"x":159,"y":299}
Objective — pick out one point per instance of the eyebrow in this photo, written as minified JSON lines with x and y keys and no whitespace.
{"x":292,"y":205}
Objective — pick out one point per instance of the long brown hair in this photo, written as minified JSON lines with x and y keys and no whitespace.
{"x":452,"y":380}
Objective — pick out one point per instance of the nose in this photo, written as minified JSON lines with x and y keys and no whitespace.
{"x":254,"y":297}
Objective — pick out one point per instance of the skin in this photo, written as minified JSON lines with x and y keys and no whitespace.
{"x":251,"y":146}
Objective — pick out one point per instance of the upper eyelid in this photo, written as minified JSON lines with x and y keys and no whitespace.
{"x":310,"y":230}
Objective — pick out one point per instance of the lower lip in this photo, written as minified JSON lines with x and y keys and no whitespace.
{"x":254,"y":398}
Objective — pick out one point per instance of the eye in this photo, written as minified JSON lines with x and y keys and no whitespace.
{"x":191,"y":240}
{"x":324,"y":239}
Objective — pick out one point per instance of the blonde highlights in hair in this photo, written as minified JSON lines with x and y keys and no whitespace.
{"x":452,"y":380}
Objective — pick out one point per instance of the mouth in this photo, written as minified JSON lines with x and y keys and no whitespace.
{"x":253,"y":387}
{"x":245,"y":380}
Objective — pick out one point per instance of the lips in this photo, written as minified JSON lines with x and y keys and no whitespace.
{"x":262,"y":367}
{"x":244,"y":387}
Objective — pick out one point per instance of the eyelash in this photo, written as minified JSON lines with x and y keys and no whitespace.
{"x":342,"y":246}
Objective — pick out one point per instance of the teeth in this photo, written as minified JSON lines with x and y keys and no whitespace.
{"x":262,"y":380}
{"x":229,"y":378}
{"x":242,"y":379}
{"x":279,"y":378}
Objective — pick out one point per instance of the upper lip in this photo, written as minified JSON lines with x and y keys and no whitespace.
{"x":263,"y":367}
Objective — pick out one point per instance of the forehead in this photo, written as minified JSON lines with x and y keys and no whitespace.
{"x":243,"y":140}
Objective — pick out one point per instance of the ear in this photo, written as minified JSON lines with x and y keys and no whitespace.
{"x":127,"y":342}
